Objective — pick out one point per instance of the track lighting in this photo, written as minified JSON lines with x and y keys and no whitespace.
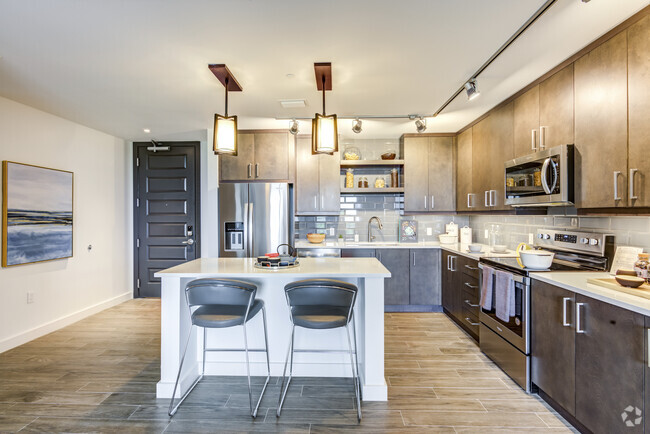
{"x":356,"y":126}
{"x":225,"y":127}
{"x":421,"y":125}
{"x":294,"y":127}
{"x":471,"y":89}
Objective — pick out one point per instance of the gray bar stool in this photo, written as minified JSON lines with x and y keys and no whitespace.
{"x":321,"y":304}
{"x":221,"y":303}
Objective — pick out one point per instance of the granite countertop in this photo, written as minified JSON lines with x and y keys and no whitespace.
{"x":576,"y":281}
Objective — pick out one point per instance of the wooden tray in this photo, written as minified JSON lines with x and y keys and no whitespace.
{"x":611,"y":283}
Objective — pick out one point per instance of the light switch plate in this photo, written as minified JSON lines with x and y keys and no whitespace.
{"x":429,"y":231}
{"x":332,"y":232}
{"x":531,"y":238}
{"x":487,"y":234}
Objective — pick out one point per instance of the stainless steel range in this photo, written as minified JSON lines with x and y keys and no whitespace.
{"x":507,"y":343}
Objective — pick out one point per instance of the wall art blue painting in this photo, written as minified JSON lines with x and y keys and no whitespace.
{"x":36,"y":214}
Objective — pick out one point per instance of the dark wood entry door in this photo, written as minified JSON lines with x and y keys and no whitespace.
{"x":167,"y":200}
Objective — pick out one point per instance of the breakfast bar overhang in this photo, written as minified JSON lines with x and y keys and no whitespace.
{"x":367,"y":273}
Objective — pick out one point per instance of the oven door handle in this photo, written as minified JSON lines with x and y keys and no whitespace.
{"x":515,"y":277}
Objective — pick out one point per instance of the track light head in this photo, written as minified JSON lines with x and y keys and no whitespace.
{"x":356,"y":126}
{"x":421,"y":125}
{"x":294,"y":127}
{"x":471,"y":89}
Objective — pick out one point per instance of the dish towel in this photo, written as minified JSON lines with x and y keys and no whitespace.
{"x":504,"y":294}
{"x":486,"y":287}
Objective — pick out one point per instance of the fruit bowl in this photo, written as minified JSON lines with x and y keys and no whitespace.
{"x":316,"y":238}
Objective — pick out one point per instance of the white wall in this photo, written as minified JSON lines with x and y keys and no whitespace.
{"x":68,"y":289}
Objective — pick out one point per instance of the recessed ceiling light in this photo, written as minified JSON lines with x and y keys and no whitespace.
{"x":293,"y":103}
{"x":146,"y":130}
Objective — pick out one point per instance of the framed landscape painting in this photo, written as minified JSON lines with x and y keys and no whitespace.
{"x":36,"y":214}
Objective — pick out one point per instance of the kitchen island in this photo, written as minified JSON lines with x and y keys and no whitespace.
{"x":367,"y":273}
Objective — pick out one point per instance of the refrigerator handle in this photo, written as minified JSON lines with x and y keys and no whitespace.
{"x":251,"y":235}
{"x":247,"y":235}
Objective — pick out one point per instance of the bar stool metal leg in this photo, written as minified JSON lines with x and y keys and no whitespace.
{"x":356,"y":353}
{"x":268,"y":365}
{"x":284,"y":389}
{"x":355,"y":373}
{"x":172,"y":410}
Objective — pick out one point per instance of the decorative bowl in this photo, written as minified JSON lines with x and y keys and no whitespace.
{"x":389,"y":155}
{"x":626,"y":272}
{"x":536,"y":259}
{"x":316,"y":238}
{"x":447,"y":239}
{"x":629,"y":281}
{"x":499,"y":248}
{"x":475,"y":248}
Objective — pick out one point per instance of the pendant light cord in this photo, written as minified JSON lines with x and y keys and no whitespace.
{"x":226,"y":96}
{"x":323,"y":79}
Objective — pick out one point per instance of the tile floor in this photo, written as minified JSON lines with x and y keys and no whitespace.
{"x":99,"y":375}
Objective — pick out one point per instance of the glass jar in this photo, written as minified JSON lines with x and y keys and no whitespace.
{"x":349,"y":178}
{"x":365,"y":182}
{"x":641,"y":266}
{"x":394,"y":178}
{"x":537,"y":177}
{"x":352,"y":153}
{"x":380,"y":182}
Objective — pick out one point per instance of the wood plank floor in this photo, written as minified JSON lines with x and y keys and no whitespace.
{"x":99,"y":375}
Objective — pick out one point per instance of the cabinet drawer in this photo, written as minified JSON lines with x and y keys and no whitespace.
{"x":469,"y":300}
{"x":470,"y":320}
{"x":469,"y":267}
{"x":469,"y":284}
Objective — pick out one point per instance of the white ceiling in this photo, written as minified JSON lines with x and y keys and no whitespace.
{"x":121,"y":66}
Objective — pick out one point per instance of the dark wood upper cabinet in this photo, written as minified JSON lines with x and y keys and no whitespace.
{"x":601,"y":125}
{"x":480,"y":167}
{"x":442,"y":196}
{"x":416,"y":174}
{"x":261,"y":156}
{"x":638,"y":81}
{"x":556,"y":108}
{"x":553,"y":343}
{"x":501,"y":149}
{"x":609,"y":364}
{"x":318,"y":182}
{"x":526,"y":123}
{"x":465,"y":195}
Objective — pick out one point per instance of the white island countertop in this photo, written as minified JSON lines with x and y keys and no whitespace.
{"x":576,"y":281}
{"x":309,"y":268}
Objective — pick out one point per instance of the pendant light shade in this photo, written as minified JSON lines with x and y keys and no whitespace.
{"x":225,"y":135}
{"x":225,"y":127}
{"x":324,"y":132}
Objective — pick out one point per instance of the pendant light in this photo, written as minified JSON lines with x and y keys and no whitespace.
{"x":225,"y":127}
{"x":324,"y":135}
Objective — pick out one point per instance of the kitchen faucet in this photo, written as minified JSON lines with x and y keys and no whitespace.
{"x":370,"y":238}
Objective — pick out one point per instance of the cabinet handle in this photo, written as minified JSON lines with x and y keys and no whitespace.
{"x":425,"y":201}
{"x":533,"y":140}
{"x":322,"y":202}
{"x":471,"y":286}
{"x":579,"y":318}
{"x":250,"y":170}
{"x":257,"y":170}
{"x":493,"y":203}
{"x":542,"y":138}
{"x":469,"y":267}
{"x":616,"y":173}
{"x":470,"y":304}
{"x":648,"y":345}
{"x":315,"y":202}
{"x":471,"y":322}
{"x":449,"y":263}
{"x":413,"y":258}
{"x":486,"y":198}
{"x":631,"y":181}
{"x":565,"y":321}
{"x":379,"y":255}
{"x":468,"y":200}
{"x":433,"y":202}
{"x":453,"y":263}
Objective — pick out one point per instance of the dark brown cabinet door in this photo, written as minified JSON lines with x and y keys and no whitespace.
{"x":307,"y":178}
{"x":501,"y":149}
{"x":396,"y":288}
{"x":556,"y":108}
{"x":465,"y":197}
{"x":424,"y":277}
{"x":442,"y":193}
{"x":646,"y":410}
{"x":609,"y":365}
{"x":358,"y":253}
{"x":601,"y":125}
{"x":416,"y":174}
{"x":480,"y":167}
{"x":446,"y":282}
{"x":638,"y":81}
{"x":526,"y":123}
{"x":272,"y":156}
{"x":329,"y":182}
{"x":240,"y":167}
{"x":553,"y":342}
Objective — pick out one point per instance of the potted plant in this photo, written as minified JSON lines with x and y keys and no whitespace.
{"x":341,"y":240}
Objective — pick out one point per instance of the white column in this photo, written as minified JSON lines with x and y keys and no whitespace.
{"x":370,"y":332}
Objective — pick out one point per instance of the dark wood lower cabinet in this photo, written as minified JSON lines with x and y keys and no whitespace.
{"x":609,"y":365}
{"x":460,"y":291}
{"x":553,"y":343}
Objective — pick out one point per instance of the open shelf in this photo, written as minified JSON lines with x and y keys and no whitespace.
{"x":372,"y":190}
{"x":357,"y":163}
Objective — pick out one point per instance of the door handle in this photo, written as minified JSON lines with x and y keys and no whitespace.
{"x":631,"y":181}
{"x":565,"y":321}
{"x":257,"y":170}
{"x":470,"y":304}
{"x":616,"y":174}
{"x":579,"y":329}
{"x":250,"y":170}
{"x":533,"y":141}
{"x":471,"y":322}
{"x":188,"y":242}
{"x":542,"y":138}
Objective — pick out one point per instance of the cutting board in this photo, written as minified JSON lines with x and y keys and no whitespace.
{"x":611,"y":283}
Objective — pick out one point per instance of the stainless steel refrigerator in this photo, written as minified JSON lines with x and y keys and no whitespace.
{"x":254,"y":218}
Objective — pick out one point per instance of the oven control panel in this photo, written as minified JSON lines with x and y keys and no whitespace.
{"x":579,"y":242}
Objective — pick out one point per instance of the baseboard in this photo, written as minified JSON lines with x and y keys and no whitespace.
{"x":42,"y":330}
{"x":412,"y":308}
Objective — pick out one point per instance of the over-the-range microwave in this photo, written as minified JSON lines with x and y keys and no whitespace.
{"x":545,"y":178}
